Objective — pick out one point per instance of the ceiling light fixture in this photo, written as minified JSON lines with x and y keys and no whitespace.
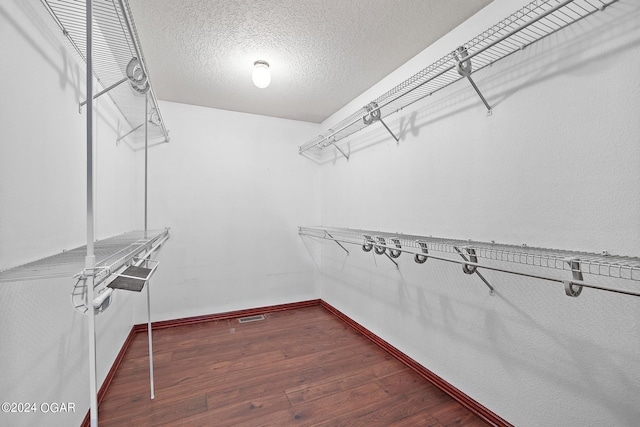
{"x":261,"y":76}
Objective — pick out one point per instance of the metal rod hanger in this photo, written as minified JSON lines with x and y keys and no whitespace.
{"x":527,"y":25}
{"x":472,"y":255}
{"x":115,"y":45}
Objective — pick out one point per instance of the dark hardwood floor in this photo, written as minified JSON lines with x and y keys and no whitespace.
{"x":299,"y":367}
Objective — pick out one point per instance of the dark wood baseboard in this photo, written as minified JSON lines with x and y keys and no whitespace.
{"x":434,"y":379}
{"x":112,"y":373}
{"x":452,"y":391}
{"x":227,"y":315}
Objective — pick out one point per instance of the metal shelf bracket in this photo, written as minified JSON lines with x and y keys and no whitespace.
{"x":368,"y":243}
{"x":424,"y":247}
{"x":570,"y":288}
{"x":464,"y":68}
{"x":374,"y":115}
{"x":379,"y":245}
{"x":471,"y":269}
{"x":395,"y":253}
{"x":120,"y":138}
{"x":83,"y":103}
{"x":380,"y":248}
{"x":338,"y":243}
{"x":331,"y":140}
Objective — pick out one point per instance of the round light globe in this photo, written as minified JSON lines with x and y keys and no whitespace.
{"x":261,"y":76}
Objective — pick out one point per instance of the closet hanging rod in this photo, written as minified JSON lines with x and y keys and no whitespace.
{"x":595,"y":264}
{"x":529,"y":24}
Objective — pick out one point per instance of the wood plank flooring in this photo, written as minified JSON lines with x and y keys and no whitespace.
{"x":301,"y":367}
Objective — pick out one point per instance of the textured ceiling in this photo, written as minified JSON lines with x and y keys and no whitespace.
{"x":322,"y":53}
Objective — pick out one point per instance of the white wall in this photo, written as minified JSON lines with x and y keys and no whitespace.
{"x":44,"y":345}
{"x":233,"y":190}
{"x":557,"y":165}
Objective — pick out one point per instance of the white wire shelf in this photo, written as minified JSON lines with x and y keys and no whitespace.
{"x":527,"y":25}
{"x":115,"y":44}
{"x":111,"y":254}
{"x":470,"y":254}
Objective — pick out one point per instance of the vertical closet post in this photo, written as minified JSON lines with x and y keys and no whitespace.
{"x":90,"y":261}
{"x":146,"y":147}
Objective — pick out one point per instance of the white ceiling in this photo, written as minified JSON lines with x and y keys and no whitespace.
{"x":322,"y":53}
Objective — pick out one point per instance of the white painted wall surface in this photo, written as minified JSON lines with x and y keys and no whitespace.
{"x":557,"y":165}
{"x":233,"y":190}
{"x":43,"y":340}
{"x":44,"y":352}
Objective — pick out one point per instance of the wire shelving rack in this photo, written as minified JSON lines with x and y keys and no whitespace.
{"x":531,"y":23}
{"x":112,"y":255}
{"x":115,"y":45}
{"x":491,"y":256}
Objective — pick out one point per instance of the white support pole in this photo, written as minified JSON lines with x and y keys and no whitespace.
{"x":146,"y":149}
{"x":150,"y":340}
{"x":149,"y":332}
{"x":90,"y":260}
